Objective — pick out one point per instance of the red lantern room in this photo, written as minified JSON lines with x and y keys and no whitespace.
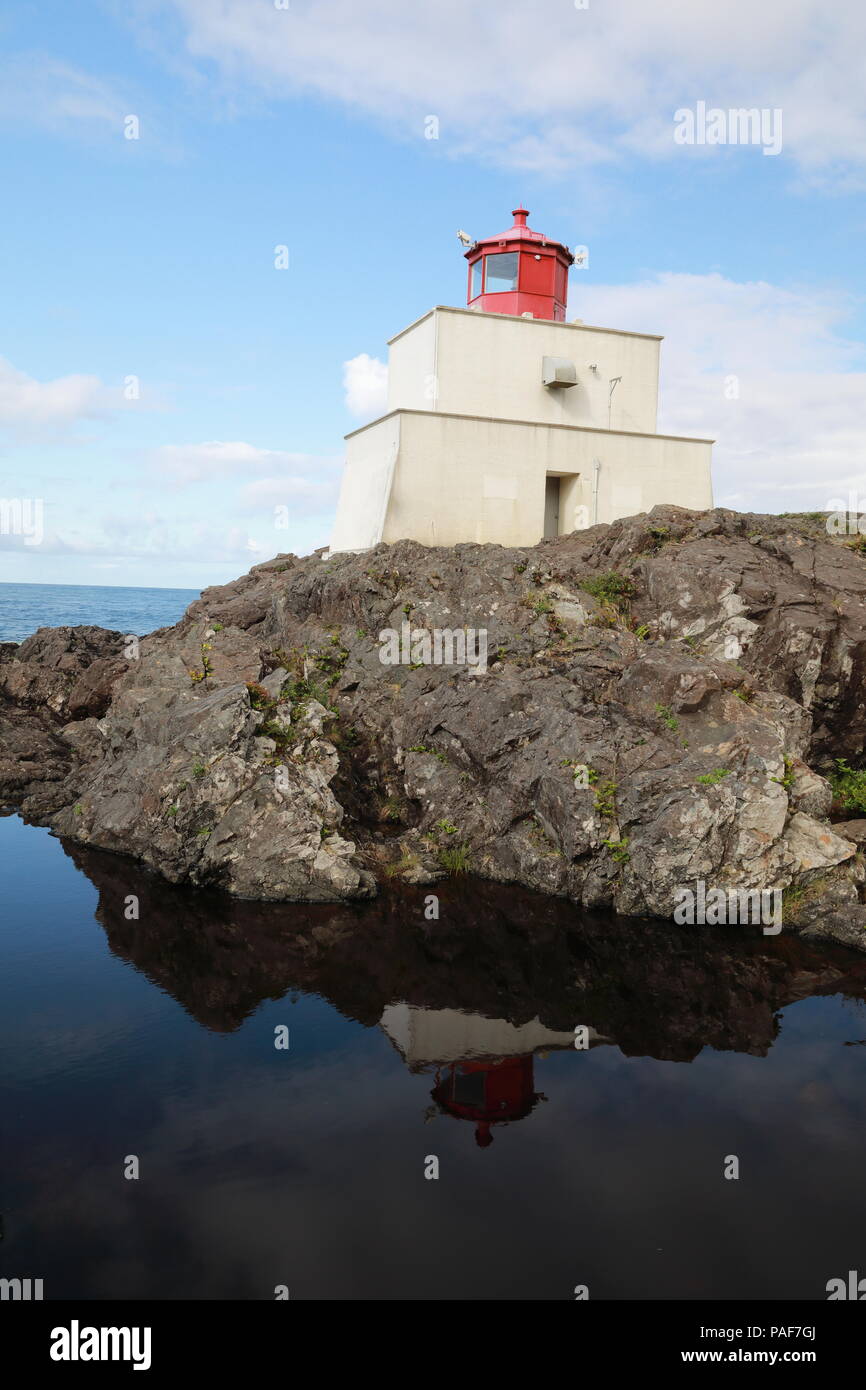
{"x":519,"y":272}
{"x":487,"y":1092}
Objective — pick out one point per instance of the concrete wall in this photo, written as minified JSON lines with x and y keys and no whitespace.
{"x":412,"y":367}
{"x":491,"y":364}
{"x":371,"y":457}
{"x":459,"y":478}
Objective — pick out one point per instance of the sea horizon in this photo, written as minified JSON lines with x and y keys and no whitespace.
{"x":41,"y":584}
{"x":128,"y":608}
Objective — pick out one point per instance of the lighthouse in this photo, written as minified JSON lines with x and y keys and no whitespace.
{"x":519,"y":272}
{"x":507,"y":423}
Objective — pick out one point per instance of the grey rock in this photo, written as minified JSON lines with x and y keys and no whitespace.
{"x":704,"y":698}
{"x":854,"y":830}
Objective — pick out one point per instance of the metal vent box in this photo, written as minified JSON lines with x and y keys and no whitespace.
{"x":558,"y":371}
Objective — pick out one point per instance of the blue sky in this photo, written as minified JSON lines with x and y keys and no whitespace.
{"x":163,"y":386}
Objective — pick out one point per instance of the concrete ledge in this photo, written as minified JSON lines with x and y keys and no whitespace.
{"x":527,"y":424}
{"x":518,"y":318}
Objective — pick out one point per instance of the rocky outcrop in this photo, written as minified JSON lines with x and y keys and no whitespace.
{"x":67,"y":671}
{"x":184,"y":774}
{"x":661,"y":702}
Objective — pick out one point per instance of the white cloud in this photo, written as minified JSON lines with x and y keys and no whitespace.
{"x":305,"y":496}
{"x":795,"y":434}
{"x":147,"y":536}
{"x":26,"y":402}
{"x":168,"y":537}
{"x":37,"y":89}
{"x":305,"y":484}
{"x":562,"y":86}
{"x":196,"y":463}
{"x":365,"y":381}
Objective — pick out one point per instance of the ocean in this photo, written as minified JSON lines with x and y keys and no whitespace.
{"x":25,"y":607}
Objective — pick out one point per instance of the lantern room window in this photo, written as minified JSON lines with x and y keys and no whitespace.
{"x":469,"y":1088}
{"x":475,"y":283}
{"x":501,"y":274}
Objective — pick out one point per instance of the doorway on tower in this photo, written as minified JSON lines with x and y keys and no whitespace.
{"x":561,"y":495}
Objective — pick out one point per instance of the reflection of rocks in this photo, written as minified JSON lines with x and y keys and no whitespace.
{"x":517,"y":959}
{"x":714,"y":646}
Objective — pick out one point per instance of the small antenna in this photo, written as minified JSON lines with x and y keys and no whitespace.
{"x":612,"y":385}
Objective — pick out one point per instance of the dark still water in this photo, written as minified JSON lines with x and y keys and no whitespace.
{"x":412,"y":1040}
{"x":25,"y":607}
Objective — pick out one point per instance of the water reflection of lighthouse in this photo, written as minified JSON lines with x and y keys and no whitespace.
{"x":488,"y":1092}
{"x":484,"y":1067}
